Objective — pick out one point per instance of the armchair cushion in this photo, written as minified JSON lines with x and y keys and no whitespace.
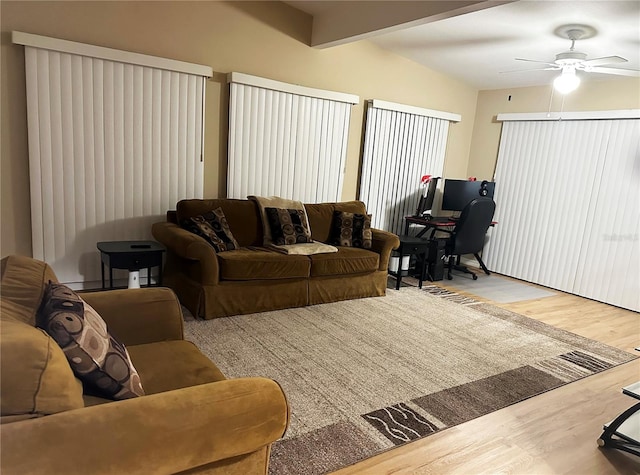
{"x":169,"y":365}
{"x":97,"y":358}
{"x":36,"y":378}
{"x":213,"y":227}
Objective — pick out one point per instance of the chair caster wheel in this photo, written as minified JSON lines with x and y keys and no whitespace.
{"x":475,"y":277}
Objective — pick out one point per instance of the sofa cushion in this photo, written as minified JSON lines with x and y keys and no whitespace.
{"x":36,"y":377}
{"x":242,"y":215}
{"x":321,"y":216}
{"x":260,"y":264}
{"x":22,"y":285}
{"x":168,"y":365}
{"x":264,"y":202}
{"x":213,"y":227}
{"x":288,"y":226}
{"x":348,"y":260}
{"x":351,"y":229}
{"x":97,"y":358}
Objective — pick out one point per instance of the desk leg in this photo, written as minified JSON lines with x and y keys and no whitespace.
{"x":160,"y":273}
{"x":102,"y":273}
{"x":399,"y":274}
{"x":148,"y":276}
{"x":423,"y":270}
{"x":110,"y":277}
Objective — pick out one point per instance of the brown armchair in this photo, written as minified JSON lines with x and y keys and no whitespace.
{"x":191,"y":419}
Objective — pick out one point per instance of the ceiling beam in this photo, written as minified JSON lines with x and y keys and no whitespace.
{"x":341,"y":22}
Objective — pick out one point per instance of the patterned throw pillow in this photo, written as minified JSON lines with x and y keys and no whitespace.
{"x":288,"y":226}
{"x":213,"y":227}
{"x":98,"y":360}
{"x":351,"y":230}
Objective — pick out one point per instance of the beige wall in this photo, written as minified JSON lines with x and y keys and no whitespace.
{"x":266,"y":39}
{"x":595,"y":93}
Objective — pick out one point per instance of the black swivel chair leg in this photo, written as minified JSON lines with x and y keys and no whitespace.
{"x":484,"y":268}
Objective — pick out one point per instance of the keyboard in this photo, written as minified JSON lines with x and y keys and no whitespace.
{"x":440,"y":219}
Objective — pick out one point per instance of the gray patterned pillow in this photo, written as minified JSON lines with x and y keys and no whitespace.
{"x":213,"y":227}
{"x":288,"y":226}
{"x":351,"y":229}
{"x":98,"y":360}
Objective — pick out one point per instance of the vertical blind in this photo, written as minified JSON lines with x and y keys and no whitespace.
{"x":112,"y":146}
{"x":402,"y":143}
{"x":286,"y":140}
{"x":567,"y":206}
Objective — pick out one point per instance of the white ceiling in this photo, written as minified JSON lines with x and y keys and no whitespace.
{"x":476,"y":46}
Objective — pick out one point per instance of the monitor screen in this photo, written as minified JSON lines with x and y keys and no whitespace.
{"x":426,"y":199}
{"x":458,"y":193}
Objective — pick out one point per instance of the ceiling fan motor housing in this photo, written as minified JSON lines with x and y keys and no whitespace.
{"x":570,"y":57}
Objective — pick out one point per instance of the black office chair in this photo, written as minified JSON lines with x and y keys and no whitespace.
{"x":468,"y":235}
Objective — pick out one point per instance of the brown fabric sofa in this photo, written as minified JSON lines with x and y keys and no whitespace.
{"x":256,"y":279}
{"x":191,"y":419}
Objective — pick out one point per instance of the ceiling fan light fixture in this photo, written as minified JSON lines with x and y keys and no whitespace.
{"x":568,"y":81}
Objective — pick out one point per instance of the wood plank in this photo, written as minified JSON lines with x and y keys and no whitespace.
{"x":553,"y":433}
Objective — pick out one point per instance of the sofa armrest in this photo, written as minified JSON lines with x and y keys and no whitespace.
{"x":161,"y":433}
{"x":383,"y":242}
{"x":137,"y":316}
{"x":187,"y":245}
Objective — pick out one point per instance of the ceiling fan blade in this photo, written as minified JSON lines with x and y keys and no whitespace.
{"x":536,"y":61}
{"x":617,"y":71}
{"x":604,"y":60}
{"x":526,"y":70}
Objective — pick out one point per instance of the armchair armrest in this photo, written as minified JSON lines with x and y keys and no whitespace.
{"x":137,"y":316}
{"x":161,"y":433}
{"x":187,"y":245}
{"x":383,"y":242}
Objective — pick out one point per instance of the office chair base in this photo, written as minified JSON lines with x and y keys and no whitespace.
{"x":461,"y":269}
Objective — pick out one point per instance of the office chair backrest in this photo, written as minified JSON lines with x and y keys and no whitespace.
{"x":475,"y":219}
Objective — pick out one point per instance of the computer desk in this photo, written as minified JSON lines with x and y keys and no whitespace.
{"x":429,"y":224}
{"x":441,"y":224}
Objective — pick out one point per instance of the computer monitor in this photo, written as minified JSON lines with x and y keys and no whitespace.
{"x":458,"y":193}
{"x":426,"y":199}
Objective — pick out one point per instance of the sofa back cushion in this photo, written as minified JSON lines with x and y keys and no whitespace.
{"x":321,"y":216}
{"x":22,"y":284}
{"x":242,"y":216}
{"x":245,"y":223}
{"x":36,"y":377}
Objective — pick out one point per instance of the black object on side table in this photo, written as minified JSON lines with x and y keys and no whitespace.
{"x":411,"y":246}
{"x":131,"y":255}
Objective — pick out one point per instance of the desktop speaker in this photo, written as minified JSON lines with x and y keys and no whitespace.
{"x":483,"y":188}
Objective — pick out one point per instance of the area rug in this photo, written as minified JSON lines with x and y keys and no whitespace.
{"x":491,"y":287}
{"x":366,"y":375}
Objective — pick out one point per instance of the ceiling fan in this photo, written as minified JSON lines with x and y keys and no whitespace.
{"x":570,"y":61}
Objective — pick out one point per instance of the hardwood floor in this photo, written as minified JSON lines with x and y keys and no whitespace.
{"x":553,"y":433}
